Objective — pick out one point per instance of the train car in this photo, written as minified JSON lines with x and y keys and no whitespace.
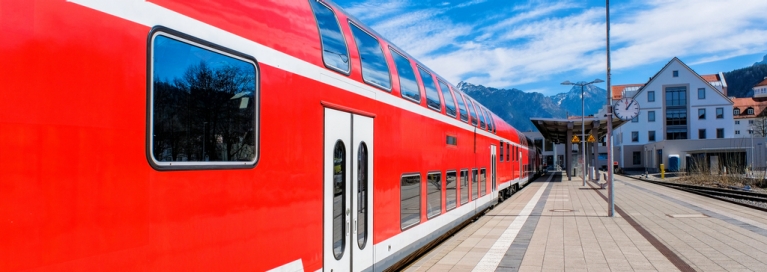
{"x":170,"y":135}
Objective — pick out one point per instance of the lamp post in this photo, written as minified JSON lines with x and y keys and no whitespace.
{"x":583,"y":123}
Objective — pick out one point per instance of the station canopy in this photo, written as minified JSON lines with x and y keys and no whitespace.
{"x":555,"y":129}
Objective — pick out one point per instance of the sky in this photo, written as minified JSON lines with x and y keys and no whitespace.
{"x":535,"y":45}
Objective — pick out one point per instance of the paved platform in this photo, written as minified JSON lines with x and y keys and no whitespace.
{"x":559,"y":225}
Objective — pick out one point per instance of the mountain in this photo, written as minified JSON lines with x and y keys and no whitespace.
{"x":764,"y":61}
{"x":516,"y":107}
{"x":741,"y":81}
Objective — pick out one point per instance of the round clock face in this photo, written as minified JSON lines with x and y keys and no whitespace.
{"x":626,"y":109}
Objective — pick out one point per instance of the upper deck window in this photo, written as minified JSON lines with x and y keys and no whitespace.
{"x":462,"y":108}
{"x":487,"y":119}
{"x":474,"y":120}
{"x":334,"y":51}
{"x":407,"y":84}
{"x":449,"y":99}
{"x":375,"y":71}
{"x":432,"y":96}
{"x":203,"y":104}
{"x":481,"y":116}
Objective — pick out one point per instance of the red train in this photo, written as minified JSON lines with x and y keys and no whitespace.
{"x":170,"y":135}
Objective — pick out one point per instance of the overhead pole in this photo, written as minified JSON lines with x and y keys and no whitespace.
{"x":610,"y":180}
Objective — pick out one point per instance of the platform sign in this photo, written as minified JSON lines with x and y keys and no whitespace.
{"x":591,"y":139}
{"x":575,"y":139}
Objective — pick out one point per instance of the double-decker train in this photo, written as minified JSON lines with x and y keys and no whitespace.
{"x":221,"y":135}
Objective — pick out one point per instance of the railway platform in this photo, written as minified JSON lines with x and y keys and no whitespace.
{"x":559,"y":225}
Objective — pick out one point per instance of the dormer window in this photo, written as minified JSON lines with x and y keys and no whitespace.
{"x":750,"y":111}
{"x":736,"y":112}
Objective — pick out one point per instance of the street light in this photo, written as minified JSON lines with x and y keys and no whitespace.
{"x":583,"y":123}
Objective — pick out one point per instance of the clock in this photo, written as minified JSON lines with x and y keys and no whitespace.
{"x":626,"y":108}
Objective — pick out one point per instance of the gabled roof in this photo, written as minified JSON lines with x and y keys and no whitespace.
{"x":759,"y":105}
{"x":763,"y":83}
{"x":688,"y":69}
{"x":618,"y":89}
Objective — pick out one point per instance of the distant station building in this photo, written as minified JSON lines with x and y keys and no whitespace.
{"x":749,"y":113}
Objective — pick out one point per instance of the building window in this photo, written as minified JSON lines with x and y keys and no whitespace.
{"x":737,"y":132}
{"x":701,"y":134}
{"x":676,"y":134}
{"x":750,"y":122}
{"x":432,"y":96}
{"x":449,"y":99}
{"x":375,"y":71}
{"x":750,"y":111}
{"x":651,"y":116}
{"x":676,"y":96}
{"x":675,"y":73}
{"x":720,"y":133}
{"x":636,"y":157}
{"x":635,"y":119}
{"x":719,"y":113}
{"x":651,"y":136}
{"x":548,"y":146}
{"x":651,"y":96}
{"x":701,"y":114}
{"x":701,"y":93}
{"x":410,"y":201}
{"x":204,"y":106}
{"x":433,"y":194}
{"x":407,"y":83}
{"x":676,"y":117}
{"x":737,"y":122}
{"x":736,"y":112}
{"x":635,"y":136}
{"x":750,"y":131}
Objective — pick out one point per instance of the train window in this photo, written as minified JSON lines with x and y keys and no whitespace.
{"x":407,"y":84}
{"x":334,"y":51}
{"x":375,"y":71}
{"x":482,"y":184}
{"x":451,"y":182}
{"x":203,"y":104}
{"x":339,"y":195}
{"x":362,"y":195}
{"x":462,"y":108}
{"x":508,"y":152}
{"x":410,"y":201}
{"x":464,"y":187}
{"x":433,"y":194}
{"x":452,"y":140}
{"x":490,"y":122}
{"x":501,"y":156}
{"x":481,"y":116}
{"x":432,"y":96}
{"x":474,"y":120}
{"x":474,"y":184}
{"x":449,"y":99}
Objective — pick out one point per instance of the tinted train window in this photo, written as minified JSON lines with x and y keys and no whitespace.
{"x":482,"y":184}
{"x":334,"y":51}
{"x":481,"y":116}
{"x":407,"y":84}
{"x":432,"y":96}
{"x":462,"y":108}
{"x":203,"y":105}
{"x":375,"y":71}
{"x":464,"y":187}
{"x":501,"y":156}
{"x":362,"y":195}
{"x":490,"y":123}
{"x":339,"y":197}
{"x":451,"y":182}
{"x":433,"y":194}
{"x":410,"y":201}
{"x":449,"y":99}
{"x":474,"y":120}
{"x":474,"y":184}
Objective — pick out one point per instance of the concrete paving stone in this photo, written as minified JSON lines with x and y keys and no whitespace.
{"x":461,"y":268}
{"x":526,"y":268}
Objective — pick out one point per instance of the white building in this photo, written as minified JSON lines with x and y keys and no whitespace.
{"x":750,"y":119}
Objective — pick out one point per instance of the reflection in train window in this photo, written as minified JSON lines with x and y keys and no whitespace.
{"x":462,"y":108}
{"x":362,"y":195}
{"x":501,"y":156}
{"x":464,"y":187}
{"x":451,"y":181}
{"x":433,"y":194}
{"x":375,"y":71}
{"x":481,"y":116}
{"x":474,"y":184}
{"x":339,"y":197}
{"x":410,"y":200}
{"x":432,"y":96}
{"x":449,"y":99}
{"x":407,"y":84}
{"x":474,"y":120}
{"x":203,"y":104}
{"x":334,"y":51}
{"x":482,"y":184}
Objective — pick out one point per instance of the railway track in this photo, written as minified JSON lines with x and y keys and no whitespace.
{"x":744,"y":198}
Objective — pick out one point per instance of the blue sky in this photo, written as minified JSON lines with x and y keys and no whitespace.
{"x":535,"y":45}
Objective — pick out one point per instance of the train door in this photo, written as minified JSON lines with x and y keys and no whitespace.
{"x":492,"y":169}
{"x":347,"y":192}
